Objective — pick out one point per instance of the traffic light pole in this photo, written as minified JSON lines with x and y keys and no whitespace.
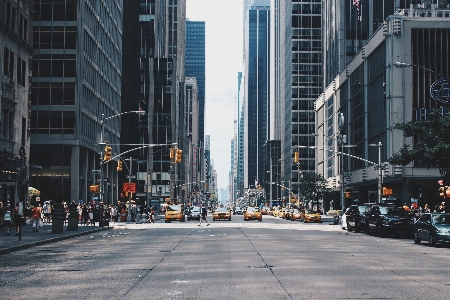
{"x":129,"y":194}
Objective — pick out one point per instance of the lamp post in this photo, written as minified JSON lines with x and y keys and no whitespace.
{"x":380,"y":179}
{"x":102,"y":143}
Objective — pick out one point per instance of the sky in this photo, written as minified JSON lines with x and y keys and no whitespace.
{"x":224,"y":49}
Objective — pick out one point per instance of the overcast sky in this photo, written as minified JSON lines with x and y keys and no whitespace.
{"x":224,"y":36}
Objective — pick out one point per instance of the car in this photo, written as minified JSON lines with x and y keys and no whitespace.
{"x":433,"y":227}
{"x":221,"y":213}
{"x":310,"y":216}
{"x":295,"y":214}
{"x":238,"y":211}
{"x":275,"y":211}
{"x":352,"y":219}
{"x":252,"y":213}
{"x":265,"y":210}
{"x":288,"y":213}
{"x":194,"y":213}
{"x":387,"y":219}
{"x":174,"y":213}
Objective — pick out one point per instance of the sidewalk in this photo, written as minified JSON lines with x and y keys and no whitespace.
{"x":45,"y":236}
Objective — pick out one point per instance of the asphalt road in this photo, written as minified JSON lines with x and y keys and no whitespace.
{"x":273,"y":259}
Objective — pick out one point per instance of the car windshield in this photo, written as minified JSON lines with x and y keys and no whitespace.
{"x":441,"y":219}
{"x":362,"y":209}
{"x":308,"y":211}
{"x":173,"y":207}
{"x":395,"y":211}
{"x":252,"y":209}
{"x":195,"y":209}
{"x":221,"y":209}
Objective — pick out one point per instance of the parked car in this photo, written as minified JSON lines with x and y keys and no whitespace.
{"x":252,"y":213}
{"x":310,"y":216}
{"x":433,"y":227}
{"x":174,"y":213}
{"x":387,"y":219}
{"x":353,"y":218}
{"x":221,"y":213}
{"x":194,"y":213}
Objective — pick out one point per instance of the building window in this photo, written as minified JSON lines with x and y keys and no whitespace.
{"x":8,"y":63}
{"x":21,"y":71}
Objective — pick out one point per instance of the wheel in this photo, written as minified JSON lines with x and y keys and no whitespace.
{"x":379,"y":231}
{"x":431,"y":239}
{"x":416,"y":238}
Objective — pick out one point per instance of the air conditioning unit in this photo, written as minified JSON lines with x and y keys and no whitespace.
{"x":364,"y":175}
{"x":385,"y":28}
{"x":398,"y":170}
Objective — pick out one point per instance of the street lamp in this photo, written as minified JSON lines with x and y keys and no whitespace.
{"x":380,"y":179}
{"x":102,"y":143}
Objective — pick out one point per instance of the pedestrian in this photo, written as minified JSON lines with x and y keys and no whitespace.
{"x":91,"y":217}
{"x":36,"y":217}
{"x":84,"y":214}
{"x":113,"y":213}
{"x":7,"y":220}
{"x":17,"y":218}
{"x":426,"y":208}
{"x":203,"y":217}
{"x":46,"y":209}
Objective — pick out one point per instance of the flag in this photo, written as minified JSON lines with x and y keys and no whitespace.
{"x":357,"y":4}
{"x":441,"y":182}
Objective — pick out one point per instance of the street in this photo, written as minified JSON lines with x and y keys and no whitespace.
{"x":272,"y":259}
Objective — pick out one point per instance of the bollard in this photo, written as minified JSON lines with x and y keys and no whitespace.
{"x":72,"y":224}
{"x":58,"y":217}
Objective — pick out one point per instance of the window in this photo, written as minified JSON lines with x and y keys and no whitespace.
{"x":8,"y":63}
{"x":21,"y":71}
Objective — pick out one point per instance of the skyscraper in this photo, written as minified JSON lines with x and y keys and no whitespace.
{"x":257,"y":71}
{"x":77,"y":76}
{"x":195,"y":67}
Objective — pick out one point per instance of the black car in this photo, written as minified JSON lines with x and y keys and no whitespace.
{"x":194,"y":213}
{"x":433,"y":227}
{"x":387,"y":219}
{"x":353,"y":218}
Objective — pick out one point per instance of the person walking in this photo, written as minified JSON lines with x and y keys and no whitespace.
{"x":36,"y":216}
{"x":91,"y":217}
{"x":17,"y":218}
{"x":7,"y":220}
{"x":203,"y":216}
{"x":113,"y":213}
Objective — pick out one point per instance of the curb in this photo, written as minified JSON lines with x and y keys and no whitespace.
{"x":51,"y":240}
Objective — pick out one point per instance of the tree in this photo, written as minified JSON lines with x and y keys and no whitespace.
{"x":431,"y":147}
{"x":312,"y":184}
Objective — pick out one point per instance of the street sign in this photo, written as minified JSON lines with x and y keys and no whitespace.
{"x":129,"y":187}
{"x":96,"y":171}
{"x":131,"y":176}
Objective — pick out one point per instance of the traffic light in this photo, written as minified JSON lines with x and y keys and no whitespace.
{"x":123,"y":194}
{"x":108,"y":153}
{"x":172,"y":153}
{"x":387,"y":191}
{"x":94,"y":188}
{"x":179,"y":155}
{"x":119,"y":166}
{"x":347,"y":194}
{"x":441,"y":191}
{"x":296,"y":156}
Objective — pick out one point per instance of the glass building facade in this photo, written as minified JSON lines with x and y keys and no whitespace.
{"x":77,"y":76}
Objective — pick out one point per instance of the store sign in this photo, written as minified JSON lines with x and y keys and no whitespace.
{"x":439,"y":90}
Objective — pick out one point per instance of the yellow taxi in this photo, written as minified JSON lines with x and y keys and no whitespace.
{"x":307,"y":215}
{"x":295,"y":215}
{"x":174,"y":213}
{"x":221,"y":213}
{"x":275,"y":211}
{"x":252,"y":213}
